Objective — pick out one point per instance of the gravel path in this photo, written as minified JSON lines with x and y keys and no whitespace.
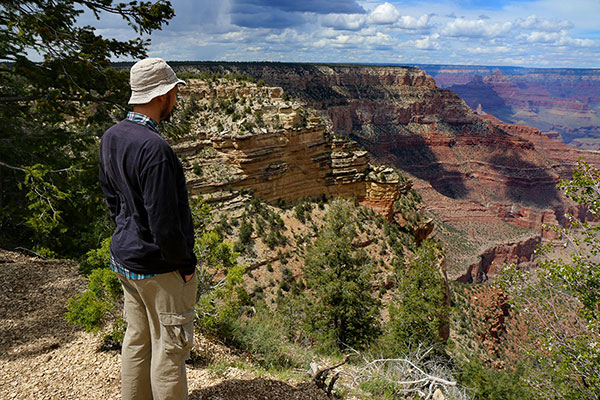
{"x":43,"y":357}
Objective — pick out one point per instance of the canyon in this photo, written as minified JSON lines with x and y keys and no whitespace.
{"x":566,"y":101}
{"x":486,"y":184}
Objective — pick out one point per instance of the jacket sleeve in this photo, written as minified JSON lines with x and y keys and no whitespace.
{"x":163,"y":205}
{"x":112,"y":200}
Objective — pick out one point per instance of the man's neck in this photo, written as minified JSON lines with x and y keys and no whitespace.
{"x":148,"y":111}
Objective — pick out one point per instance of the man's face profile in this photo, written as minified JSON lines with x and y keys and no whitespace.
{"x":169,"y":105}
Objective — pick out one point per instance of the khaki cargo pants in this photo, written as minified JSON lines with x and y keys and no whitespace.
{"x":160,"y":323}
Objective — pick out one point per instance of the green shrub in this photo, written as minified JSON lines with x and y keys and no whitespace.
{"x":218,"y":309}
{"x":113,"y":340}
{"x":244,"y":243}
{"x":265,"y":337}
{"x":419,"y":311}
{"x":258,"y":117}
{"x":303,"y":208}
{"x":485,"y":383}
{"x":96,"y":258}
{"x":340,"y":310}
{"x":246,"y":231}
{"x":97,"y":306}
{"x":215,"y":254}
{"x":201,"y":213}
{"x":380,"y":388}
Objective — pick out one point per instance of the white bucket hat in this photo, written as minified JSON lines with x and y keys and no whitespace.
{"x":150,"y":78}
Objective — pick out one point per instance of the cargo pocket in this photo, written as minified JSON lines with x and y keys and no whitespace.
{"x":177,"y":332}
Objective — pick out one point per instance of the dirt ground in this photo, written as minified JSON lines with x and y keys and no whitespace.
{"x":44,"y":357}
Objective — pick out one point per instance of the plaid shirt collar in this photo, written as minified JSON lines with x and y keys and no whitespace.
{"x":142,"y":120}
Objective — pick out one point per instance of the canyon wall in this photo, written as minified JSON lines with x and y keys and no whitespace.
{"x":245,"y":136}
{"x":492,"y":260}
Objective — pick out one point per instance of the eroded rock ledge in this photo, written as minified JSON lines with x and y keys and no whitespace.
{"x":254,"y":138}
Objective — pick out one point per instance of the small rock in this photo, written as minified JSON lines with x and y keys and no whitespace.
{"x":438,"y":395}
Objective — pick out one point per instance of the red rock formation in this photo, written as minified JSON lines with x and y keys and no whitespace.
{"x":531,"y":94}
{"x":493,"y":310}
{"x":521,"y":253}
{"x":562,"y":158}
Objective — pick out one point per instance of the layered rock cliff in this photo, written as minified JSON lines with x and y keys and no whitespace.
{"x":492,"y":260}
{"x":245,"y":136}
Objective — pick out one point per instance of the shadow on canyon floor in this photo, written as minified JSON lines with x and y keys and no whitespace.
{"x":477,"y":92}
{"x":421,"y":162}
{"x":527,"y":183}
{"x":413,"y":155}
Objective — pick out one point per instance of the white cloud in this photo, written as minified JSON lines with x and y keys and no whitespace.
{"x":558,"y":39}
{"x":429,"y":42}
{"x":575,"y":42}
{"x":350,"y":22}
{"x":583,"y":14}
{"x":541,"y":37}
{"x":362,"y":40}
{"x":475,"y":28}
{"x":526,"y":33}
{"x":328,"y":33}
{"x":408,"y":22}
{"x":379,"y":40}
{"x":289,"y":35}
{"x":533,"y":22}
{"x":489,"y":50}
{"x":384,"y":14}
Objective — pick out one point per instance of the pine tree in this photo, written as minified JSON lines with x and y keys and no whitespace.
{"x":419,"y":310}
{"x":52,"y":113}
{"x":340,"y":308}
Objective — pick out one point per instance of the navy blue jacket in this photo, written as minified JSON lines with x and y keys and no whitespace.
{"x":145,"y":189}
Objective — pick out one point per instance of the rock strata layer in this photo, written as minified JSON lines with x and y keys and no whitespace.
{"x":250,"y":137}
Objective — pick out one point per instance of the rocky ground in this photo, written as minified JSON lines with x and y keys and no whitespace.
{"x":43,"y":357}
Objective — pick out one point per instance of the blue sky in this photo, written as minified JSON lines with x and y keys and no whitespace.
{"x":532,"y":33}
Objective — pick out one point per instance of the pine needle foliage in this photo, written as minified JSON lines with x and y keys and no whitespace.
{"x":340,"y":310}
{"x":418,"y":311}
{"x":52,"y":113}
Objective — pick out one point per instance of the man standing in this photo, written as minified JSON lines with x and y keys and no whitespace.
{"x":152,"y":245}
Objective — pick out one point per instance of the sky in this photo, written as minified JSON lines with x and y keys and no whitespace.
{"x":528,"y":33}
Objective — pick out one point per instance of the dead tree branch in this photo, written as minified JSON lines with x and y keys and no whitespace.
{"x":319,"y":375}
